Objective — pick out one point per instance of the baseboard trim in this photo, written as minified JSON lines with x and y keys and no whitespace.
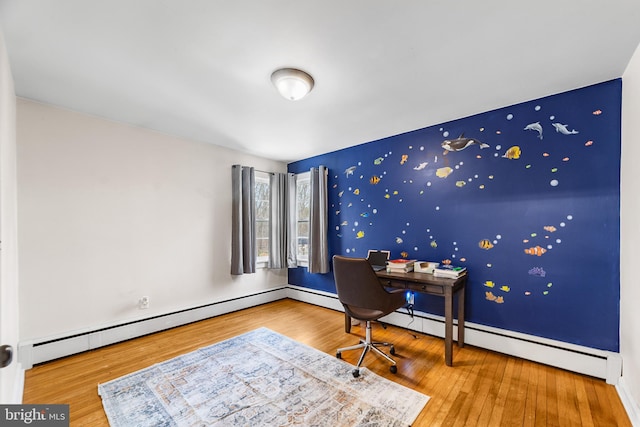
{"x":585,"y":360}
{"x":630,"y":405}
{"x":33,"y":352}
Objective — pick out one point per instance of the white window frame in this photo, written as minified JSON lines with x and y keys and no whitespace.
{"x":263,"y":178}
{"x":302,"y":258}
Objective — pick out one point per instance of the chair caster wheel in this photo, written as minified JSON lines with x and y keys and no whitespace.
{"x":355,"y":373}
{"x":392,"y":350}
{"x":339,"y":355}
{"x":393,"y":369}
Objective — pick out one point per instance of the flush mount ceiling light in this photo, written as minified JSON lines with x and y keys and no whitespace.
{"x":292,"y":83}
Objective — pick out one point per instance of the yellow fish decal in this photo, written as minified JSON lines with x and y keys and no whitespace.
{"x":360,"y":234}
{"x":505,"y":288}
{"x":513,"y":153}
{"x":489,"y":284}
{"x":404,"y":254}
{"x":444,"y":172}
{"x":374,"y":180}
{"x":386,"y":196}
{"x":460,"y":184}
{"x":485,"y":244}
{"x":434,"y":244}
{"x":550,"y":228}
{"x":356,"y":191}
{"x":404,"y":159}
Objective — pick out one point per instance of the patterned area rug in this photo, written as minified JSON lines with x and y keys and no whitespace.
{"x":260,"y":378}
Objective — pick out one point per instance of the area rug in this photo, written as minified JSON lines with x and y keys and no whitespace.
{"x":260,"y":378}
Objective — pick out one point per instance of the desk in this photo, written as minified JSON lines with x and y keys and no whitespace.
{"x":426,"y":283}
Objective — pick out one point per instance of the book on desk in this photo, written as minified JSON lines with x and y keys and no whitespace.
{"x":449,"y":271}
{"x":400,"y":265}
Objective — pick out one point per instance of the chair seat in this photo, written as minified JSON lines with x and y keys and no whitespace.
{"x":364,"y":313}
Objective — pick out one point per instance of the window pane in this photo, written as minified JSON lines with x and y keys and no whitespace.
{"x":263,"y":247}
{"x":262,"y":210}
{"x":262,"y":190}
{"x":303,"y":200}
{"x":262,"y":229}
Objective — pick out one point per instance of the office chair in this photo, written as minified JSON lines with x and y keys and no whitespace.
{"x":364,"y":298}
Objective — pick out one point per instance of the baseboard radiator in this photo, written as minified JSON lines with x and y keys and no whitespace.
{"x":584,"y":360}
{"x":593,"y":362}
{"x":33,"y":352}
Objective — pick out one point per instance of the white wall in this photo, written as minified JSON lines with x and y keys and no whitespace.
{"x":630,"y":235}
{"x":11,"y":377}
{"x":109,"y":213}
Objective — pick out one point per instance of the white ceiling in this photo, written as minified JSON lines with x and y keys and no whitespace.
{"x":200,"y":69}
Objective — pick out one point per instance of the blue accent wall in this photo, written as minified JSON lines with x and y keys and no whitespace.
{"x":527,"y":197}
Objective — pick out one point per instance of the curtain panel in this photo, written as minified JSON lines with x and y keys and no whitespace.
{"x":243,"y":233}
{"x":318,"y":222}
{"x":278,"y":220}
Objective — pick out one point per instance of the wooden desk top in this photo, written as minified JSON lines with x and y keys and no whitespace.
{"x":423,"y":278}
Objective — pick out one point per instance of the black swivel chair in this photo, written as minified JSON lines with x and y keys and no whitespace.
{"x":364,"y":298}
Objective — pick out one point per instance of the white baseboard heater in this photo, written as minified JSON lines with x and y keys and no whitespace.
{"x":38,"y":351}
{"x":597,"y":363}
{"x":585,"y":360}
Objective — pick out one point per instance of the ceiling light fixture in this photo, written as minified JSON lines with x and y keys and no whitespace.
{"x":292,"y":83}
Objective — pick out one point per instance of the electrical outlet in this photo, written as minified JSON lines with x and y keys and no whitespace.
{"x":143,"y":303}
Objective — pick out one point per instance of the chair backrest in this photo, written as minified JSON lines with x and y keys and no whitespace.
{"x":358,"y":285}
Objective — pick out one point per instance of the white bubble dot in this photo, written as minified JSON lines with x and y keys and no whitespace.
{"x":509,"y":116}
{"x":554,"y":183}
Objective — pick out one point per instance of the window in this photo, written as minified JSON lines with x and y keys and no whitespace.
{"x":262,"y":195}
{"x":303,"y":205}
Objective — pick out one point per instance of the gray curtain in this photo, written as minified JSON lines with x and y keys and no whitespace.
{"x":291,"y":243}
{"x":318,"y":222}
{"x":243,"y":233}
{"x":278,"y":220}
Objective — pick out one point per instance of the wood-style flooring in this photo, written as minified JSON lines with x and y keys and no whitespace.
{"x":483,"y":388}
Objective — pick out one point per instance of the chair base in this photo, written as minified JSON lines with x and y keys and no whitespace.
{"x":367,"y":344}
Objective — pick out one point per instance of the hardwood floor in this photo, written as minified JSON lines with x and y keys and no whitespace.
{"x":483,"y":388}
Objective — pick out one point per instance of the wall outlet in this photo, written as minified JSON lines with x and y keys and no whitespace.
{"x":143,"y":303}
